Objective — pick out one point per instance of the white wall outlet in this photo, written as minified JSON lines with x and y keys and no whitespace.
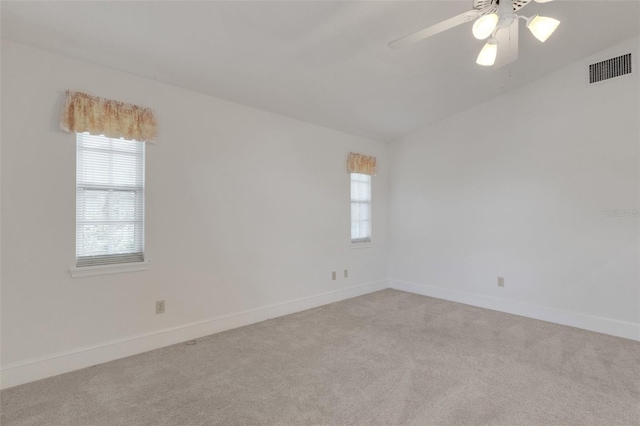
{"x":346,"y":273}
{"x":500,"y":281}
{"x":333,"y":275}
{"x":160,"y":307}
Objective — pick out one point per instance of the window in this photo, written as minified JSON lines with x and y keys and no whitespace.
{"x":360,"y":208}
{"x":109,"y":200}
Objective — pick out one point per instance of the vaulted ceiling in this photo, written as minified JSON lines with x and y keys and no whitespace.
{"x":324,"y":62}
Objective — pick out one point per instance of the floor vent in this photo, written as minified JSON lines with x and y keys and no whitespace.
{"x":610,"y":68}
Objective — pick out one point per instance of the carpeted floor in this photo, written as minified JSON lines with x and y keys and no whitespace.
{"x":387,"y":358}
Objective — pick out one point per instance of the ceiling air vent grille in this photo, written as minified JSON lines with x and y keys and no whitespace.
{"x":610,"y":68}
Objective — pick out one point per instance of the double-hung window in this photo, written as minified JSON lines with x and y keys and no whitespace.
{"x":360,"y":208}
{"x":109,"y":200}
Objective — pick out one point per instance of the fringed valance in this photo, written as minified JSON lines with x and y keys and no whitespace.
{"x":362,"y":164}
{"x":85,"y":113}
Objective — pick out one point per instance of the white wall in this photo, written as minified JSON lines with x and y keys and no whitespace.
{"x":245,"y":210}
{"x":518,"y":187}
{"x":248,"y":213}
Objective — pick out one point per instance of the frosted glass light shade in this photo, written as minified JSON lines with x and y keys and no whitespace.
{"x":484,"y":26}
{"x":542,"y":27}
{"x":487,"y":56}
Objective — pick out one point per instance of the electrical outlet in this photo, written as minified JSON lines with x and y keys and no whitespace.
{"x":500,"y":281}
{"x":333,"y":275}
{"x":160,"y":307}
{"x":346,"y":273}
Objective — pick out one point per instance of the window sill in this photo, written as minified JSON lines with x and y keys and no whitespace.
{"x":361,"y":245}
{"x":89,"y":271}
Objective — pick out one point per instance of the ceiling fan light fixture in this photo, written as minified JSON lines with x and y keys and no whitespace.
{"x":542,"y":27}
{"x":484,"y":26}
{"x":487,"y":56}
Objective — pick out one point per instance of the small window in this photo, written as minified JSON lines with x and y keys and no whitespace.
{"x":360,"y":208}
{"x":109,"y":200}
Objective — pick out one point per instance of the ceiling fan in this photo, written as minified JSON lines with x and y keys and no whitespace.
{"x":496,"y":20}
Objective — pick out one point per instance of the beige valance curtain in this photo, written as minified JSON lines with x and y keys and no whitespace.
{"x":362,"y":164}
{"x":98,"y":116}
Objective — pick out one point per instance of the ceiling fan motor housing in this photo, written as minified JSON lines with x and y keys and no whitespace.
{"x":505,"y":14}
{"x":491,"y":6}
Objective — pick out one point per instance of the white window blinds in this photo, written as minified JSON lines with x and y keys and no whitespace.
{"x":109,"y":200}
{"x":360,"y":208}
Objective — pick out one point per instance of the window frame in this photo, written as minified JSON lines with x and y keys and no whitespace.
{"x":112,"y":262}
{"x":367,"y":241}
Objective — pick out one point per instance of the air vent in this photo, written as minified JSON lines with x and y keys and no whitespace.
{"x":610,"y":68}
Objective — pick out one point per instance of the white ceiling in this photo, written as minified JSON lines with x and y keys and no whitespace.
{"x":325,"y":62}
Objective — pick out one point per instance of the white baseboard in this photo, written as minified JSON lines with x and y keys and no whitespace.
{"x":35,"y":369}
{"x":613,"y":327}
{"x":27,"y":371}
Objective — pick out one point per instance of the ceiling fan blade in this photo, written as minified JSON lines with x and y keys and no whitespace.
{"x":507,"y":44}
{"x":435,"y":29}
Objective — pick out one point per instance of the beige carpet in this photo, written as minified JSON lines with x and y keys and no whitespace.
{"x":388,"y":358}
